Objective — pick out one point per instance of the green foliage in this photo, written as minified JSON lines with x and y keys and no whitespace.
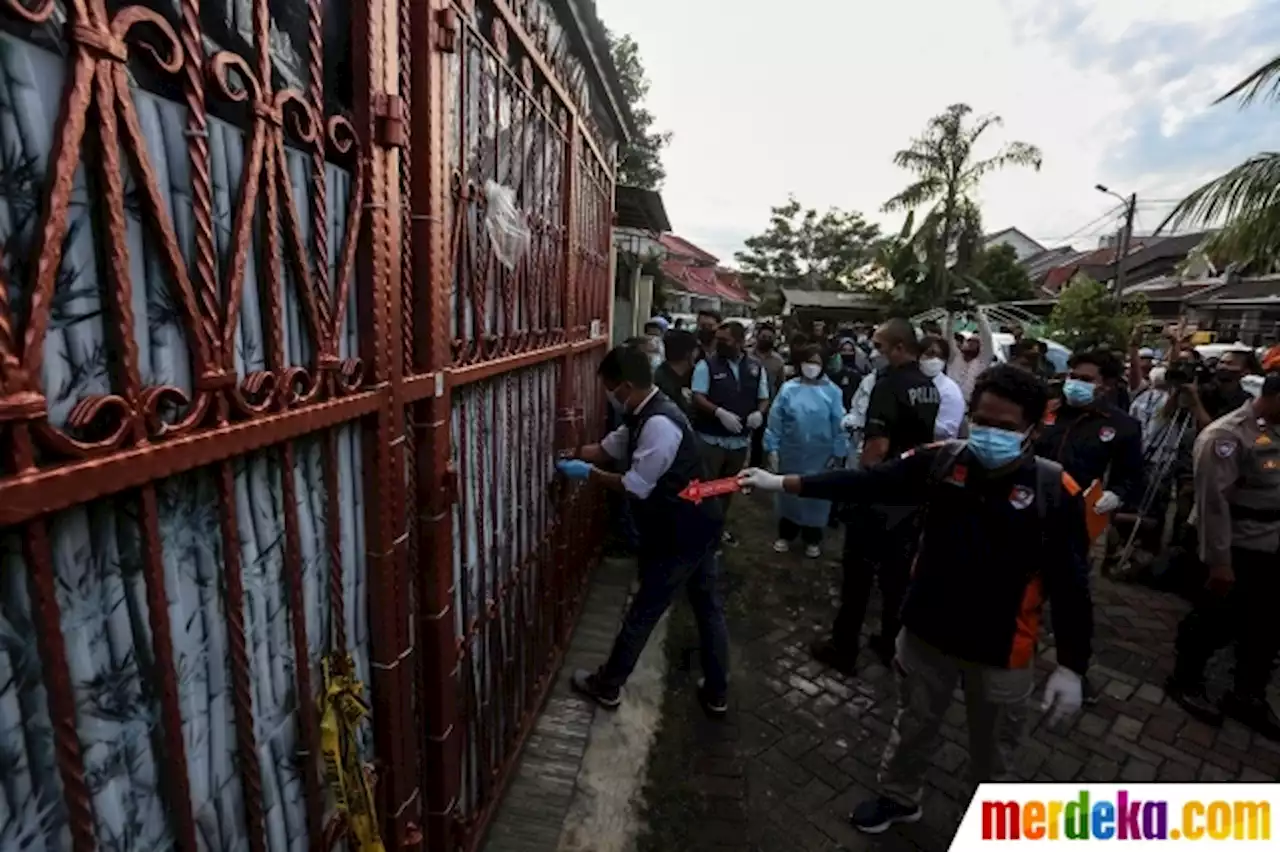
{"x":640,"y":163}
{"x":947,"y":175}
{"x":1087,"y":315}
{"x":898,"y":259}
{"x":1004,"y":279}
{"x":1245,"y":200}
{"x":810,"y":250}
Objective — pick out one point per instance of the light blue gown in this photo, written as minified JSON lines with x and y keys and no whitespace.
{"x":804,"y":430}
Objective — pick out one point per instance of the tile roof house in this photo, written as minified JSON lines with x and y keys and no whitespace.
{"x":692,"y":270}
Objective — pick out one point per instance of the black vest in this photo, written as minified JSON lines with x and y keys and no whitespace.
{"x":740,"y":395}
{"x":664,"y":519}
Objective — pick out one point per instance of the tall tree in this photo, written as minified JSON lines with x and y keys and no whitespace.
{"x":947,"y":174}
{"x":640,"y":163}
{"x":1002,"y":276}
{"x":1246,"y":200}
{"x":810,"y":250}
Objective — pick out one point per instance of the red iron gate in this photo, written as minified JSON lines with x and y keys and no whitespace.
{"x":268,"y":395}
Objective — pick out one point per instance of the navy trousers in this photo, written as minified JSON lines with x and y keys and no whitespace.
{"x":661,"y":576}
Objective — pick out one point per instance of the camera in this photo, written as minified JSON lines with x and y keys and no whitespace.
{"x":1180,"y":373}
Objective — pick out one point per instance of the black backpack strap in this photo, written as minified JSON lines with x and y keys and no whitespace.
{"x":948,"y":452}
{"x":1049,"y":486}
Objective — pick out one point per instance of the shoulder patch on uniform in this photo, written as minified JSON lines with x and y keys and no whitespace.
{"x":1263,"y":440}
{"x":1224,"y":448}
{"x":1071,"y":486}
{"x":1106,"y":434}
{"x":908,"y":454}
{"x":1021,"y":497}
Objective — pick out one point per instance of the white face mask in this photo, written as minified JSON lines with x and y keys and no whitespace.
{"x":811,"y":371}
{"x":931,"y":366}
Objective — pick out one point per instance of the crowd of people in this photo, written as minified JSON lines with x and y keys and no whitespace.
{"x":971,"y":492}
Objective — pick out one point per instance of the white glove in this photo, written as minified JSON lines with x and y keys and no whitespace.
{"x":849,"y":423}
{"x":755,"y":420}
{"x":754,"y":477}
{"x":1063,"y":694}
{"x":729,"y":420}
{"x":1108,"y":502}
{"x":772,"y":462}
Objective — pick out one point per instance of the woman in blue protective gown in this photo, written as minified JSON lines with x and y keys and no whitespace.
{"x":804,"y":435}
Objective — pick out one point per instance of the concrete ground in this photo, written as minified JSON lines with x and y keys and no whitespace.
{"x":802,"y":743}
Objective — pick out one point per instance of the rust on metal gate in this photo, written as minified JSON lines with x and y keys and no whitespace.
{"x":298,"y":300}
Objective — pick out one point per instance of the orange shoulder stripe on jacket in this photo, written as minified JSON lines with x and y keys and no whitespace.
{"x":1073,"y":488}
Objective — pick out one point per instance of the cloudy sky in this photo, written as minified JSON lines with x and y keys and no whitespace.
{"x":812,"y":97}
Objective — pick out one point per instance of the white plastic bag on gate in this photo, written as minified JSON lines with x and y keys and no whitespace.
{"x":505,"y":223}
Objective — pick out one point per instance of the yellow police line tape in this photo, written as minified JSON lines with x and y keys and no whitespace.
{"x":342,"y":708}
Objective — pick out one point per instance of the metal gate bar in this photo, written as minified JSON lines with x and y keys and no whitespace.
{"x":377,"y":305}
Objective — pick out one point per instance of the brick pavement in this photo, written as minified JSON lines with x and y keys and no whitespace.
{"x":802,"y":743}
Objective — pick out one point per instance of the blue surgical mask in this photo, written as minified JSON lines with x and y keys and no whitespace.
{"x":995,"y":448}
{"x":655,"y":361}
{"x":1078,"y":392}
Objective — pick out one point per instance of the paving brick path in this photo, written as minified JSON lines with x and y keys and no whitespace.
{"x":802,"y":743}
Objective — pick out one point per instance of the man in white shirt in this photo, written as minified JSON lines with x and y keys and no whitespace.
{"x":972,"y":356}
{"x":659,"y":456}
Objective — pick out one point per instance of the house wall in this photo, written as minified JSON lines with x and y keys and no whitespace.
{"x":1023,"y":246}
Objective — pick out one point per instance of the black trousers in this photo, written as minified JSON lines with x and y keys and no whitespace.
{"x":873,"y":551}
{"x":1245,"y":616}
{"x":790,"y":531}
{"x":756,"y":458}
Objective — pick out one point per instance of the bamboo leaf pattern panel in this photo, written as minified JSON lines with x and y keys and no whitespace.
{"x":99,"y":549}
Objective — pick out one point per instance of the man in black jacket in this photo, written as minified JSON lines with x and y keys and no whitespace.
{"x":675,"y":375}
{"x":1091,"y":438}
{"x":1001,"y":531}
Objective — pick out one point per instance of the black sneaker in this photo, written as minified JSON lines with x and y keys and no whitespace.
{"x":1088,"y":695}
{"x":1254,"y":713}
{"x":714,"y":704}
{"x":1191,"y":697}
{"x":876,"y":816}
{"x":832,"y":657}
{"x":728,"y":539}
{"x":588,"y":684}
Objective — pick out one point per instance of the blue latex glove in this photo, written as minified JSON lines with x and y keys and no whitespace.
{"x":574,"y":468}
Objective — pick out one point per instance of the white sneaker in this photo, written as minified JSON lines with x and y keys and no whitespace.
{"x":812,"y":551}
{"x":781,"y":546}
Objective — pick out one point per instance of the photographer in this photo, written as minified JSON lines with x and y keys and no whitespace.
{"x":1185,"y":381}
{"x":1223,"y":393}
{"x":1169,"y":411}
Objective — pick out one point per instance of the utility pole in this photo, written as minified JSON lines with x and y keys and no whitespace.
{"x":1126,"y":236}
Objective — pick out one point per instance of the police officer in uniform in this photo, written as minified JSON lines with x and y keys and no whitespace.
{"x":879,"y":540}
{"x":659,"y":456}
{"x":1237,"y":514}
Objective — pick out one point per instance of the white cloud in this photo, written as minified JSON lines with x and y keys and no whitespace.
{"x":812,"y":97}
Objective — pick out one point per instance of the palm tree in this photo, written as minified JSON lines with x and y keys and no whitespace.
{"x":947,"y":176}
{"x":1245,"y":200}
